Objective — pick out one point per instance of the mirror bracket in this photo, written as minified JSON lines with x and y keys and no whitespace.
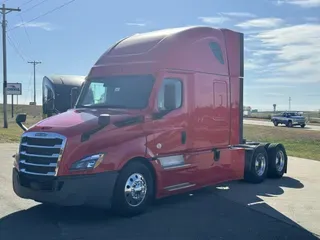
{"x":160,"y":114}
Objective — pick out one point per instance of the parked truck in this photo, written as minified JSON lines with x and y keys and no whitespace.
{"x":289,"y":119}
{"x":59,"y":93}
{"x":160,"y":113}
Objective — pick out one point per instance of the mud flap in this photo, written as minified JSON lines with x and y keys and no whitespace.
{"x":248,"y":159}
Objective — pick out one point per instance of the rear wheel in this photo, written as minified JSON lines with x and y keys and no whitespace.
{"x":133,"y":190}
{"x":302,"y":125}
{"x":259,"y":166}
{"x":277,"y":160}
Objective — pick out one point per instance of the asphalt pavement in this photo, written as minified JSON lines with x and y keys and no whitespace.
{"x":287,"y":208}
{"x":270,"y":124}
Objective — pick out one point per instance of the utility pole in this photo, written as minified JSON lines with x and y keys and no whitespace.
{"x":34,"y":80}
{"x":289,"y":103}
{"x":5,"y":11}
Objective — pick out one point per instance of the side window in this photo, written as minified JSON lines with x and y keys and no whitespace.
{"x":170,"y":94}
{"x":50,"y":94}
{"x":47,"y":94}
{"x":217,"y":52}
{"x":96,"y":93}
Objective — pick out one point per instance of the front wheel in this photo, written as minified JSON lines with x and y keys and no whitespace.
{"x":275,"y":123}
{"x":133,"y":190}
{"x":303,"y":125}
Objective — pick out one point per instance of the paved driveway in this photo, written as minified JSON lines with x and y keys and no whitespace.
{"x":277,"y":209}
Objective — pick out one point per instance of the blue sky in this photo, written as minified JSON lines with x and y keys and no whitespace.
{"x":282,"y":40}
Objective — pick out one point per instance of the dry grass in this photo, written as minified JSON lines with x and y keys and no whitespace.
{"x":297,"y":141}
{"x":13,"y":132}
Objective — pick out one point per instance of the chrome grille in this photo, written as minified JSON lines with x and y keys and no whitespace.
{"x":40,"y":153}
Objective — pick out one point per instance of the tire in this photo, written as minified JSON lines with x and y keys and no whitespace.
{"x":278,"y":160}
{"x":259,"y":166}
{"x":275,"y":123}
{"x":289,"y":124}
{"x":302,"y":125}
{"x":265,"y":145}
{"x":130,"y":177}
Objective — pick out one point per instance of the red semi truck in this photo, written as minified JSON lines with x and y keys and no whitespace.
{"x":160,"y":113}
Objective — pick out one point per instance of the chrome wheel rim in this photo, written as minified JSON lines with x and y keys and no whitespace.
{"x":280,"y":161}
{"x":135,"y":189}
{"x":260,"y":164}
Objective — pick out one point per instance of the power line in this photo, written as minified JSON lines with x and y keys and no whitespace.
{"x":11,"y":42}
{"x":30,"y":8}
{"x":42,"y":15}
{"x":27,"y":2}
{"x":25,"y":29}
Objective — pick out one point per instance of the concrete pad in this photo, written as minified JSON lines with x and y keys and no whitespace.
{"x":294,"y":199}
{"x":286,"y":208}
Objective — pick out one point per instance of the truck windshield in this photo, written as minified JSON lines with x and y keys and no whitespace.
{"x":131,"y":92}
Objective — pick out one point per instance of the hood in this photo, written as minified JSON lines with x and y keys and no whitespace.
{"x":122,"y":131}
{"x":76,"y":121}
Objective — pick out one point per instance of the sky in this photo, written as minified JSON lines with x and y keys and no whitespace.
{"x":282,"y":41}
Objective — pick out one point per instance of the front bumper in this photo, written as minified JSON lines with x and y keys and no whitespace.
{"x":93,"y":190}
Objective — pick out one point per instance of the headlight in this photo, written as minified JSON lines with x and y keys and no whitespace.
{"x":88,"y":163}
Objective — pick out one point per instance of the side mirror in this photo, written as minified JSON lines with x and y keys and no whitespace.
{"x":20,"y":119}
{"x":169,"y":97}
{"x":104,"y":120}
{"x":74,"y":96}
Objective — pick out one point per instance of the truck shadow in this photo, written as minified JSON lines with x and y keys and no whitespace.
{"x":222,"y":212}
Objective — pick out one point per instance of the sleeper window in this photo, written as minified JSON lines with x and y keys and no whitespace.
{"x":178,"y":93}
{"x":217,"y":52}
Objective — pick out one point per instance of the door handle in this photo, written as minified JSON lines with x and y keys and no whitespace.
{"x":183,"y":137}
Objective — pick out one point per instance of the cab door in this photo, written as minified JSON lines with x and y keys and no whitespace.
{"x":170,"y":141}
